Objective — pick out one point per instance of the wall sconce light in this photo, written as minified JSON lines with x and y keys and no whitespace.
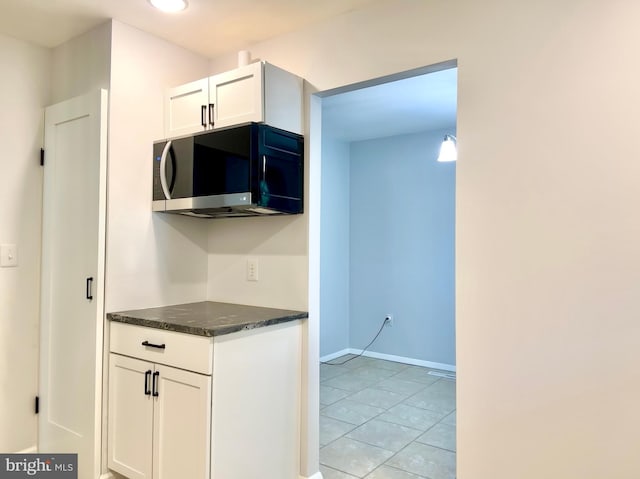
{"x":169,"y":6}
{"x":448,"y":149}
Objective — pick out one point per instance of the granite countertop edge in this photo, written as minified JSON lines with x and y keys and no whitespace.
{"x":213,"y":328}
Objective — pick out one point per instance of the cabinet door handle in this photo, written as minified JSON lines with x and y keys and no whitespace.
{"x":203,"y":114}
{"x":211,"y":108}
{"x":155,"y":384}
{"x":147,"y":375}
{"x":151,"y":345}
{"x":88,"y":291}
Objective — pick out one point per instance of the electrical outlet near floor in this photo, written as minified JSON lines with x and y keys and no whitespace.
{"x":388,"y":320}
{"x":252,"y":269}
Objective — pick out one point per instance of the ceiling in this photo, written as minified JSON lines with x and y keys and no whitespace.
{"x":420,"y":103}
{"x":208,"y":27}
{"x":214,"y":27}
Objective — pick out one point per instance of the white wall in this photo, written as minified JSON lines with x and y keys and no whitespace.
{"x":402,"y":247}
{"x":547,"y":228}
{"x":279,"y":244}
{"x":24,"y":92}
{"x":82,"y":64}
{"x":152,"y":259}
{"x":334,"y":253}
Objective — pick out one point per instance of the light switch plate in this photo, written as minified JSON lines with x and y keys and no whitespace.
{"x":8,"y":255}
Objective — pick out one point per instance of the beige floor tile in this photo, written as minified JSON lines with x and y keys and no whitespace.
{"x":401,"y":386}
{"x":441,"y":435}
{"x":426,"y":461}
{"x":350,"y":381}
{"x":390,"y":365}
{"x":372,"y":372}
{"x":387,"y":435}
{"x":330,"y":473}
{"x":386,"y":472}
{"x":351,"y":411}
{"x":378,"y":397}
{"x":410,"y":416}
{"x":450,"y":419}
{"x":445,"y":386}
{"x":331,"y":429}
{"x":357,"y":362}
{"x":329,"y":395}
{"x":439,"y":397}
{"x":328,"y":371}
{"x":353,"y":457}
{"x":418,"y":374}
{"x":388,"y":407}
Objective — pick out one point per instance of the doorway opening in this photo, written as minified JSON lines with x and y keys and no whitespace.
{"x":386,"y":232}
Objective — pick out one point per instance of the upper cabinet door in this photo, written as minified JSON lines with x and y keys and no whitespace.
{"x":237,"y":96}
{"x":186,"y":108}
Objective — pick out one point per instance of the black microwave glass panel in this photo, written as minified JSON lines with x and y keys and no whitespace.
{"x":217,"y":172}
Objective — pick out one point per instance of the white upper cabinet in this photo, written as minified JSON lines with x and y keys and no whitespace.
{"x":185,"y":108}
{"x":258,"y":92}
{"x":237,"y":96}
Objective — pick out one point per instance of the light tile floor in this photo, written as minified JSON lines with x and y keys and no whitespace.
{"x":386,"y":420}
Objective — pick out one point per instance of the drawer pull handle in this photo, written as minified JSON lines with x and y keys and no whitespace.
{"x":155,"y":384}
{"x":147,"y":375}
{"x":151,"y":345}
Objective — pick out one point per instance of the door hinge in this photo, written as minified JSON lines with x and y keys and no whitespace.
{"x":41,"y":156}
{"x":37,"y":404}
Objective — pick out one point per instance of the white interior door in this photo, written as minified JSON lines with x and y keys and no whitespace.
{"x":73,"y":247}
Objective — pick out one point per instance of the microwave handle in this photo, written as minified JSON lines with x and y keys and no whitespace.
{"x":163,"y":171}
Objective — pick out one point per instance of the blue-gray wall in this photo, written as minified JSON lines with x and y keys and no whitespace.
{"x":402,"y":235}
{"x":334,"y":248}
{"x":387,"y":246}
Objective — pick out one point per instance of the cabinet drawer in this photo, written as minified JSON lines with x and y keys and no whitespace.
{"x":184,"y":351}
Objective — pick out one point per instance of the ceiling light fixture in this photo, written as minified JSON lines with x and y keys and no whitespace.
{"x":448,"y":149}
{"x":169,"y":6}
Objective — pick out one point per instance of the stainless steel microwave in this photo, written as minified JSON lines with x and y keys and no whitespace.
{"x":247,"y":170}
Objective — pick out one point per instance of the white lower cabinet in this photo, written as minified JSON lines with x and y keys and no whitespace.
{"x":190,"y":407}
{"x":159,"y":420}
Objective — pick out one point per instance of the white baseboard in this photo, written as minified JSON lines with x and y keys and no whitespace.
{"x":391,"y":357}
{"x":108,"y":475}
{"x":317,"y":475}
{"x":29,"y":450}
{"x":331,"y":356}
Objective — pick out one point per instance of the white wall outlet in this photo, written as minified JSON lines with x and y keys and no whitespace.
{"x":388,"y":320}
{"x":8,"y":255}
{"x":252,"y":269}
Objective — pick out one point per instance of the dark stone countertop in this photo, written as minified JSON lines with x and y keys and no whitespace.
{"x":207,"y":318}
